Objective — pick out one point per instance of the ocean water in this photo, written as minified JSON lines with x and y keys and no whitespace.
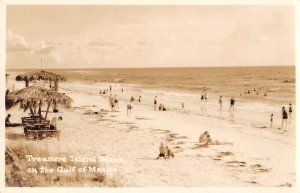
{"x":277,"y":82}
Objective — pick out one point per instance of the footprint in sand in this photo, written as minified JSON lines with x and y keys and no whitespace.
{"x":236,"y":163}
{"x":223,"y":154}
{"x":286,"y":185}
{"x":257,"y":168}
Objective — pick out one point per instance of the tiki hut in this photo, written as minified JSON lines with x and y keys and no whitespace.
{"x":41,"y":75}
{"x":34,"y":97}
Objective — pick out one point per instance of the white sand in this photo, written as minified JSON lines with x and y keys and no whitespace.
{"x":256,"y":156}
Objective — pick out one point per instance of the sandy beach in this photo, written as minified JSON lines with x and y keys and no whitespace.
{"x":251,"y":153}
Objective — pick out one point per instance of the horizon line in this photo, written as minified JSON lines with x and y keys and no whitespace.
{"x":151,"y":67}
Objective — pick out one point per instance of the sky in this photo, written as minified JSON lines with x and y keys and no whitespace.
{"x":125,"y":36}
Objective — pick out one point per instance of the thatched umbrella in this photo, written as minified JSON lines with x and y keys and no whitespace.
{"x":35,"y":97}
{"x":40,"y":75}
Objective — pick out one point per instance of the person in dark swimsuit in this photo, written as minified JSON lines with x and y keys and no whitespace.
{"x":271,"y":120}
{"x":232,"y":101}
{"x":284,"y":116}
{"x":290,"y":110}
{"x":155,"y":102}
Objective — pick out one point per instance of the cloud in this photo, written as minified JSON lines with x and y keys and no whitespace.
{"x":15,"y":42}
{"x":43,"y":48}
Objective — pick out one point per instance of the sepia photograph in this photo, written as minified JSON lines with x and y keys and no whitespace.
{"x":145,"y":96}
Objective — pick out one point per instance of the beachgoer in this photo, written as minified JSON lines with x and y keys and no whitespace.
{"x":290,"y":111}
{"x":284,"y":116}
{"x":202,"y":97}
{"x":7,"y":121}
{"x":140,"y":99}
{"x":7,"y":92}
{"x":116,"y":102}
{"x":182,"y":105}
{"x":162,"y":151}
{"x":110,"y":88}
{"x":129,"y":107}
{"x":55,"y":110}
{"x":164,"y":108}
{"x":290,"y":108}
{"x":254,"y":89}
{"x":122,"y":89}
{"x":265,"y":94}
{"x":54,"y":124}
{"x":232,"y":101}
{"x":131,"y":99}
{"x":160,"y":107}
{"x":220,"y":102}
{"x":111,"y":102}
{"x":169,"y":152}
{"x":205,"y":138}
{"x":271,"y":120}
{"x":155,"y":102}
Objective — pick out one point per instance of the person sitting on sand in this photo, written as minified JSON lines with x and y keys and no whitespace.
{"x":160,"y":107}
{"x":7,"y":121}
{"x":129,"y":107}
{"x":169,"y":152}
{"x":54,"y":124}
{"x":205,"y":138}
{"x":162,"y":151}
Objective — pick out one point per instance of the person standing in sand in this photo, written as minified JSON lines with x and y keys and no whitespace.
{"x":220,"y":102}
{"x":129,"y":107}
{"x":111,"y":102}
{"x":140,"y":99}
{"x":232,"y":101}
{"x":116,"y":102}
{"x":182,"y":105}
{"x":284,"y":117}
{"x":110,"y":88}
{"x":290,"y":110}
{"x":162,"y":151}
{"x":271,"y":120}
{"x":205,"y":96}
{"x":155,"y":102}
{"x":7,"y":121}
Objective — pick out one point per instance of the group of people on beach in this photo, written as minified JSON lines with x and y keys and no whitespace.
{"x":113,"y":103}
{"x":166,"y":152}
{"x":255,"y":91}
